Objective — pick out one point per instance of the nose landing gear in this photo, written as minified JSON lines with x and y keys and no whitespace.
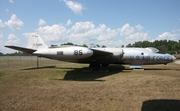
{"x":95,"y":65}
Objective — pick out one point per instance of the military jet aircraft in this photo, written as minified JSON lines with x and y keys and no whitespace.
{"x":96,"y":57}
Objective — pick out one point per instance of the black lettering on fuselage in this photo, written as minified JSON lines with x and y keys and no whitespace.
{"x":148,"y":58}
{"x":132,"y":57}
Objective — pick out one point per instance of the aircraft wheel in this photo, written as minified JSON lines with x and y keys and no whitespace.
{"x":104,"y":65}
{"x":95,"y":65}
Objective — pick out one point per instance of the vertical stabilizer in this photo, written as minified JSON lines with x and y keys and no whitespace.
{"x":36,"y":42}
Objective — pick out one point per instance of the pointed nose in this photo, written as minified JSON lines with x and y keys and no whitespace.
{"x":173,"y":58}
{"x":90,"y":52}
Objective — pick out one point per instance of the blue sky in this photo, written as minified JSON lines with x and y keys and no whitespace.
{"x":112,"y":23}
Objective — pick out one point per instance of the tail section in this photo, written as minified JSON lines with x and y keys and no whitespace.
{"x":35,"y":42}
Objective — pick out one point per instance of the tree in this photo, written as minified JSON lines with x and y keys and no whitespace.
{"x":69,"y":43}
{"x":1,"y":54}
{"x":53,"y":46}
{"x":103,"y":46}
{"x":129,"y":45}
{"x":97,"y":45}
{"x":163,"y":45}
{"x":84,"y":45}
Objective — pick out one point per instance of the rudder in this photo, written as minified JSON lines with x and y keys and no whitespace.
{"x":35,"y":42}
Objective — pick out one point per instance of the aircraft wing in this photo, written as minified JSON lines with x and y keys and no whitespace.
{"x":26,"y":50}
{"x":97,"y":52}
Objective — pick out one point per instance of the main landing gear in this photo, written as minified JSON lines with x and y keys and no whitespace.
{"x":95,"y":65}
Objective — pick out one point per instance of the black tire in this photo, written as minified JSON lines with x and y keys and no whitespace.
{"x":104,"y":65}
{"x":95,"y":65}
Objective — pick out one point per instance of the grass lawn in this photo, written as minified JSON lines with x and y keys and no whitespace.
{"x":62,"y":86}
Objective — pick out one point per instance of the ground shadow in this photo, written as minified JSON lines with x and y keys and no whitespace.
{"x":85,"y":73}
{"x":161,"y":105}
{"x":82,"y":74}
{"x":156,"y":69}
{"x":161,"y":69}
{"x":44,"y":67}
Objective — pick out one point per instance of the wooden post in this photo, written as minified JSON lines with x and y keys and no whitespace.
{"x":8,"y":61}
{"x":20,"y":61}
{"x":31,"y":60}
{"x":37,"y":62}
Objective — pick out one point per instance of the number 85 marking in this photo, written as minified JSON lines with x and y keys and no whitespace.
{"x":78,"y":52}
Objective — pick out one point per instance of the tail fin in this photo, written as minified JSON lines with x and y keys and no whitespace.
{"x":35,"y":42}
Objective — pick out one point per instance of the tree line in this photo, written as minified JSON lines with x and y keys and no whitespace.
{"x":168,"y":46}
{"x":18,"y":53}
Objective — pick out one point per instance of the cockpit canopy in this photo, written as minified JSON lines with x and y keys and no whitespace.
{"x":152,"y":49}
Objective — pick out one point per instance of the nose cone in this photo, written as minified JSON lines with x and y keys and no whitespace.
{"x":173,"y":58}
{"x":90,"y":52}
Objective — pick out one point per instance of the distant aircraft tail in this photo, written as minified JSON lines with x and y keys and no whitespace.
{"x":35,"y":42}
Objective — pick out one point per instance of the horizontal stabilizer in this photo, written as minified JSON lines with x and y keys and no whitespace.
{"x":26,"y":50}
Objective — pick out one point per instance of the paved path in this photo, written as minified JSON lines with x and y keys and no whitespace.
{"x":177,"y":61}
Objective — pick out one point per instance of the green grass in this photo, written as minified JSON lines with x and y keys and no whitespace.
{"x":57,"y":85}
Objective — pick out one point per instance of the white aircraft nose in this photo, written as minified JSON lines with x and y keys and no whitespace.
{"x":90,"y":52}
{"x":173,"y":58}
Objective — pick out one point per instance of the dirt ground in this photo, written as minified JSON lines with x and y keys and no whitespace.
{"x":70,"y":87}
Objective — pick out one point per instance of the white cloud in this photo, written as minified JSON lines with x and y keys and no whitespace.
{"x":111,"y":43}
{"x":84,"y":32}
{"x":106,"y":33}
{"x":41,"y":22}
{"x":131,"y":35}
{"x":126,"y":30}
{"x":12,"y":39}
{"x":14,"y":23}
{"x":29,"y":34}
{"x":1,"y":28}
{"x":52,"y":33}
{"x":68,"y":23}
{"x":87,"y":33}
{"x":11,"y":1}
{"x":137,"y":37}
{"x":79,"y":33}
{"x":74,"y":6}
{"x":167,"y":36}
{"x":7,"y":10}
{"x":82,"y":27}
{"x":1,"y":43}
{"x":139,"y":27}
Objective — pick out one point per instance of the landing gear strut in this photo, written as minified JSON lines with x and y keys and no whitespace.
{"x":104,"y":65}
{"x":95,"y":65}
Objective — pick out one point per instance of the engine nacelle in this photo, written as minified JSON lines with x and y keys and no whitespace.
{"x":117,"y":53}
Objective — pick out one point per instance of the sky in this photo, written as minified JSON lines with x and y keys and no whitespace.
{"x":112,"y":23}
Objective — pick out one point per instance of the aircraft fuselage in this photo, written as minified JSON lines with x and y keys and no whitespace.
{"x":96,"y":57}
{"x":132,"y":56}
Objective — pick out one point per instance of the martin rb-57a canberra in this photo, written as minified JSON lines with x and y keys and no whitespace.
{"x":96,"y":57}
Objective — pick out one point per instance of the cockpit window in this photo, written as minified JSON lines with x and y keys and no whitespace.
{"x":152,"y":49}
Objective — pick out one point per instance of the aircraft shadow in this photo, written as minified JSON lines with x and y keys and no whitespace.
{"x":161,"y":105}
{"x":86,"y":74}
{"x":156,"y":69}
{"x":44,"y":67}
{"x":160,"y":69}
